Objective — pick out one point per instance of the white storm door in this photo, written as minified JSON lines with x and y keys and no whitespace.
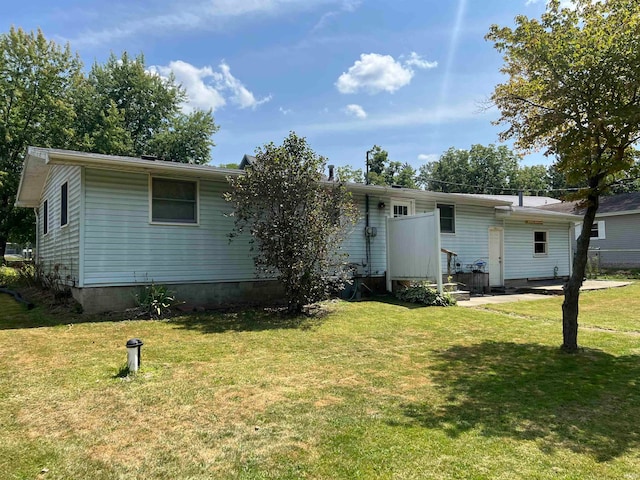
{"x":496,"y":251}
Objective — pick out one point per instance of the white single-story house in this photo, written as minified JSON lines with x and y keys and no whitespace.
{"x":110,"y":224}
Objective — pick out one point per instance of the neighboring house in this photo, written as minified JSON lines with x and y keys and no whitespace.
{"x":109,"y":224}
{"x":615,"y":236}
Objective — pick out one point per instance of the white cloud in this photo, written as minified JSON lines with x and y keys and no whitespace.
{"x":417,"y":61}
{"x":207,"y":88}
{"x":348,"y":6}
{"x":355,"y":110}
{"x":239,"y":94}
{"x":197,"y":83}
{"x":375,"y":73}
{"x":163,"y":17}
{"x":285,"y":111}
{"x":428,"y":157}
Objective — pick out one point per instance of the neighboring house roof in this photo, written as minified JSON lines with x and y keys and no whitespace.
{"x":527,"y":200}
{"x":624,"y":203}
{"x":246,"y":161}
{"x":39,"y":160}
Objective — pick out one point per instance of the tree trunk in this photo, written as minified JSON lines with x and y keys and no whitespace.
{"x":3,"y":249}
{"x":572,"y":289}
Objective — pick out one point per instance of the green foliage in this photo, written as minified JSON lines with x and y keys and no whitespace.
{"x":155,"y":300}
{"x":482,"y":169}
{"x":348,"y":174}
{"x":36,"y":82}
{"x":123,"y":109}
{"x":9,"y":276}
{"x":297,"y":222}
{"x":421,"y":292}
{"x":382,"y":171}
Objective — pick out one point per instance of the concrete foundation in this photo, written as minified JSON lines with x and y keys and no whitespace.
{"x":207,"y":295}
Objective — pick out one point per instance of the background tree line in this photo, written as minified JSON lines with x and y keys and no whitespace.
{"x":47,"y":99}
{"x":492,"y":170}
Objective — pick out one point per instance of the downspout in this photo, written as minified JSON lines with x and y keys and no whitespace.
{"x":366,"y":218}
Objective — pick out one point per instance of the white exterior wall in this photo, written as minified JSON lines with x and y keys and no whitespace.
{"x":519,"y":259}
{"x":60,"y":246}
{"x":121,"y":247}
{"x":355,"y":244}
{"x":471,"y":240}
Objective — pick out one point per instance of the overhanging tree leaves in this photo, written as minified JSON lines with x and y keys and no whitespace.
{"x":574,"y":90}
{"x":296,"y":220}
{"x":36,"y":80}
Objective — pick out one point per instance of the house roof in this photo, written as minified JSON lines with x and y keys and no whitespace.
{"x":527,"y":200}
{"x":39,"y":160}
{"x":624,"y":203}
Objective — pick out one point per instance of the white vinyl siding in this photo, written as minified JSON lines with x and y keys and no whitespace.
{"x":61,"y":245}
{"x":520,"y":261}
{"x":471,"y":241}
{"x":123,"y":248}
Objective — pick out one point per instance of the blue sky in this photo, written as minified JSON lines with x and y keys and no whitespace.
{"x":408,"y":75}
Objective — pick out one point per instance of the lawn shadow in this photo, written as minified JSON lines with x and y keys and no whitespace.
{"x":391,"y":300}
{"x":587,"y":403}
{"x":250,"y":320}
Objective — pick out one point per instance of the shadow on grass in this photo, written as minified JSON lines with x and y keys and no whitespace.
{"x":391,"y":300}
{"x":247,"y":321}
{"x":587,"y":403}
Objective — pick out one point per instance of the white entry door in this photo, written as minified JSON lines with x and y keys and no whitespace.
{"x":496,"y":251}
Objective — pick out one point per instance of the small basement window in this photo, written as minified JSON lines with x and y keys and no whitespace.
{"x":174,"y":201}
{"x":64,"y":204}
{"x":540,"y":244}
{"x":447,"y":218}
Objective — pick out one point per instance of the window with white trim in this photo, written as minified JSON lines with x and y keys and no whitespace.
{"x":45,"y":217}
{"x":401,"y":208}
{"x":447,"y":218}
{"x":64,"y":204}
{"x":174,"y":201}
{"x":540,"y":243}
{"x":597,"y":230}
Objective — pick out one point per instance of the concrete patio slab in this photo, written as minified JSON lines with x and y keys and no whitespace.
{"x":538,"y":293}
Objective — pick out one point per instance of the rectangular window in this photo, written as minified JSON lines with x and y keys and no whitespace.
{"x":540,"y":244}
{"x":64,"y":204}
{"x":400,"y":211}
{"x":174,"y":201}
{"x":401,"y":207}
{"x":597,"y":230}
{"x":45,"y":217}
{"x":447,"y":218}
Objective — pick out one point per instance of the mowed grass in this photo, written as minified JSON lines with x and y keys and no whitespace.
{"x":367,"y":390}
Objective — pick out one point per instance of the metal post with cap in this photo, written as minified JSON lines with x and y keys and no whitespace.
{"x":134,"y":346}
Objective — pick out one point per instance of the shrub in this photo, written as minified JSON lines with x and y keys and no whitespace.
{"x":421,"y":292}
{"x":155,"y":300}
{"x":9,"y":276}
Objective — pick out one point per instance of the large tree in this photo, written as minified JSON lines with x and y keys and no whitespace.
{"x":573,"y":88}
{"x":124,"y":109}
{"x":36,"y":85}
{"x":297,"y":221}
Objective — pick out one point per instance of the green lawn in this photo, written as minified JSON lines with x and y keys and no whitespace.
{"x":368,"y":390}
